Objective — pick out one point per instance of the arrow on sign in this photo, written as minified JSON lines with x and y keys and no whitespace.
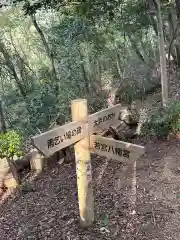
{"x":117,"y":150}
{"x":60,"y":137}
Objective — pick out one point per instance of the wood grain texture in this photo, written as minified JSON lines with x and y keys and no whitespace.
{"x":59,"y":138}
{"x":83,"y":167}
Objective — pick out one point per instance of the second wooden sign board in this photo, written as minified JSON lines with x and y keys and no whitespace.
{"x":117,"y":150}
{"x":103,"y":119}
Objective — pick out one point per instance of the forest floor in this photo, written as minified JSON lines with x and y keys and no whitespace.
{"x":51,"y":211}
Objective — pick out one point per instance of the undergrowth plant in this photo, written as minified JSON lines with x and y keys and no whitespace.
{"x":164,"y":121}
{"x":11,"y":144}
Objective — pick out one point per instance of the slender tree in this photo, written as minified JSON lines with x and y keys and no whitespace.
{"x":48,"y":51}
{"x":11,"y":67}
{"x":164,"y":78}
{"x":177,"y":3}
{"x":2,"y":118}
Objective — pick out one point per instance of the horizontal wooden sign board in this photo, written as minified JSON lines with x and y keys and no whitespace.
{"x":63,"y":136}
{"x":103,"y":119}
{"x":60,"y":137}
{"x":117,"y":150}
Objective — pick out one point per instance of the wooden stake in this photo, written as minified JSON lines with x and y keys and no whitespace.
{"x":133,"y":196}
{"x":83,"y":167}
{"x":8,"y":174}
{"x":37,"y":161}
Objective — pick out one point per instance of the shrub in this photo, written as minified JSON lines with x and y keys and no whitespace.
{"x":164,"y":121}
{"x":175,"y":117}
{"x":158,"y":124}
{"x":10,"y":144}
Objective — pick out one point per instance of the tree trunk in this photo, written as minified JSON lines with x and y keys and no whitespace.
{"x":153,"y":23}
{"x":164,"y":78}
{"x":174,"y":49}
{"x":12,"y":69}
{"x":177,"y":3}
{"x":135,"y":48}
{"x":25,"y":70}
{"x":48,"y":51}
{"x":2,"y":119}
{"x":98,"y":64}
{"x":86,"y":80}
{"x":118,"y":64}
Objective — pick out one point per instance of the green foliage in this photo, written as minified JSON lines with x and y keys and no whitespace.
{"x":42,"y":106}
{"x":132,"y":89}
{"x":106,"y":220}
{"x":164,"y":121}
{"x":96,"y":46}
{"x":10,"y":144}
{"x":175,"y":117}
{"x":88,"y":8}
{"x":158,"y":124}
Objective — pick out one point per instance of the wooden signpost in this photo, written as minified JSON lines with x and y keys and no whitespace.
{"x":79,"y":132}
{"x":63,"y":136}
{"x":83,"y":167}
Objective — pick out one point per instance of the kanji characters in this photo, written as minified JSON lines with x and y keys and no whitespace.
{"x":100,"y":120}
{"x":110,"y":148}
{"x":67,"y":135}
{"x":57,"y":140}
{"x":105,"y":118}
{"x":126,"y":153}
{"x":50,"y":143}
{"x":79,"y":130}
{"x":74,"y":132}
{"x":96,"y":123}
{"x":118,"y":151}
{"x":97,"y":145}
{"x":104,"y":147}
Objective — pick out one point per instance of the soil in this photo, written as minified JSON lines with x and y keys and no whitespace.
{"x":50,"y":211}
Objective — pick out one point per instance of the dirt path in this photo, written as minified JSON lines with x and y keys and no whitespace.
{"x":51,"y":212}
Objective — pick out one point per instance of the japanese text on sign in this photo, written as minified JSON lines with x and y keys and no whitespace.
{"x":61,"y":138}
{"x":117,"y":150}
{"x":104,"y":119}
{"x":111,"y":149}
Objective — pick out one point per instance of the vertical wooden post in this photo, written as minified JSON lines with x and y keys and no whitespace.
{"x":133,"y":197}
{"x":83,"y":167}
{"x":10,"y":175}
{"x":37,"y":161}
